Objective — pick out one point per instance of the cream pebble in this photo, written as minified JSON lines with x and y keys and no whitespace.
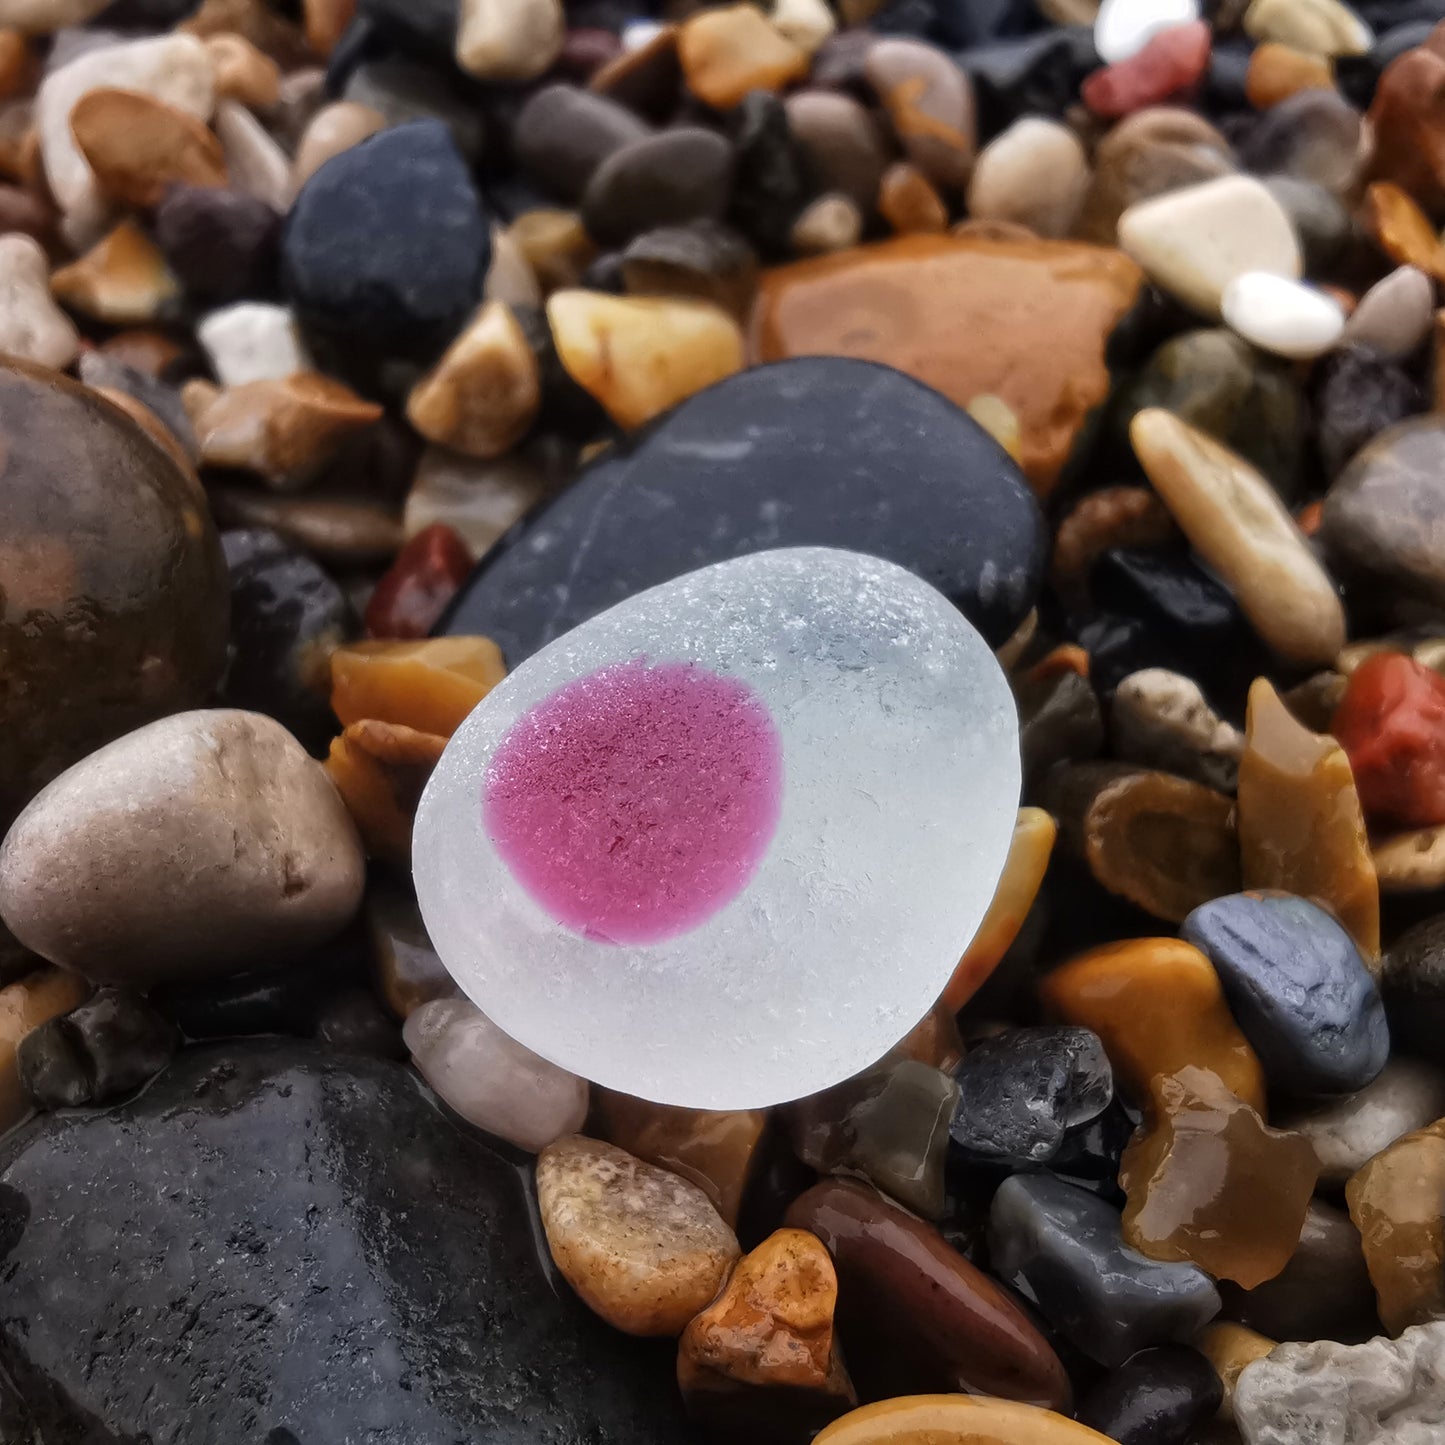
{"x":1282,"y":316}
{"x":1124,"y":27}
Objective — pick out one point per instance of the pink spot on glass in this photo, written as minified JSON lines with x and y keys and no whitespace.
{"x":635,"y":802}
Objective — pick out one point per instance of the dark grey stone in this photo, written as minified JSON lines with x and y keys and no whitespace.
{"x":563,"y":133}
{"x":1020,"y":1093}
{"x":1298,"y":987}
{"x":1065,"y":1248}
{"x":1155,"y":1398}
{"x":818,"y":451}
{"x":677,"y":175}
{"x":274,"y":1243}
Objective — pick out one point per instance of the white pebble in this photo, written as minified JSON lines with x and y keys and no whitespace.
{"x":637,"y":33}
{"x":257,"y":164}
{"x":32,"y":326}
{"x":490,"y":1079}
{"x":1124,"y":27}
{"x":1283,"y":316}
{"x":509,"y":39}
{"x":252,"y":341}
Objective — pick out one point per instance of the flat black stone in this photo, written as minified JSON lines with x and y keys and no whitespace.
{"x":818,"y":451}
{"x":274,"y":1243}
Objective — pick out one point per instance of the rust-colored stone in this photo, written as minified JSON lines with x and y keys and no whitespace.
{"x":1301,"y":828}
{"x":1209,"y":1182}
{"x":909,"y":203}
{"x":1405,"y":119}
{"x":1026,"y":321}
{"x":1402,"y":229}
{"x":1159,"y":1008}
{"x":380,"y":770}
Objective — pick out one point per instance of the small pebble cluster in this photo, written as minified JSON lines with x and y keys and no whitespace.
{"x":352,"y":351}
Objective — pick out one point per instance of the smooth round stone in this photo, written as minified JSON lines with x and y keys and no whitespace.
{"x":348,"y":1249}
{"x":96,"y":523}
{"x":1282,"y":316}
{"x":1035,"y":173}
{"x":751,"y":880}
{"x":1384,"y":517}
{"x":1155,"y":1398}
{"x":32,"y":327}
{"x":1315,"y":135}
{"x":1022,"y":1091}
{"x":387,"y":245}
{"x":1194,"y":242}
{"x":563,"y":133}
{"x":816,"y":451}
{"x":1124,"y":27}
{"x":1408,"y":1094}
{"x":678,"y":175}
{"x":1298,"y":987}
{"x":1067,"y":1247}
{"x":201,"y":844}
{"x":1394,"y":315}
{"x":842,"y":141}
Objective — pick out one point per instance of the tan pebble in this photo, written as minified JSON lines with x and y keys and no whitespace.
{"x":807,"y":23}
{"x":1035,"y":174}
{"x":509,"y":39}
{"x":150,"y":351}
{"x":1194,"y":242}
{"x":283,"y":430}
{"x":1161,"y":719}
{"x":831,"y":223}
{"x":257,"y":164}
{"x":1277,"y":72}
{"x":1000,"y":421}
{"x":478,"y":500}
{"x":124,"y":279}
{"x":137,"y":146}
{"x":43,"y":17}
{"x":24,"y":1006}
{"x":259,"y":22}
{"x":173,"y":68}
{"x":1412,"y":862}
{"x":643,"y":1248}
{"x":555,"y":244}
{"x":333,"y":129}
{"x":930,"y":102}
{"x":1301,"y":828}
{"x":325,"y":22}
{"x":909,"y":203}
{"x":725,"y":53}
{"x":1314,"y":27}
{"x":346,"y":533}
{"x":1237,"y":522}
{"x":243,"y":73}
{"x":32,"y":326}
{"x":482,"y":397}
{"x":510,"y":278}
{"x":1229,"y":1348}
{"x":640,"y":355}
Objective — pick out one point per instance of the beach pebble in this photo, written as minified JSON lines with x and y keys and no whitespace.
{"x":1393,"y":316}
{"x":252,"y":341}
{"x":1124,"y":27}
{"x":509,"y":39}
{"x":1282,"y":316}
{"x":32,"y":326}
{"x":202,"y":844}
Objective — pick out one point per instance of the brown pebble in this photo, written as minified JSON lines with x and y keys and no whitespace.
{"x":24,"y":1006}
{"x":1276,"y":72}
{"x":929,"y":99}
{"x":380,"y":769}
{"x":909,"y":203}
{"x":122,"y":279}
{"x":333,"y":129}
{"x":325,"y":22}
{"x":643,"y":1248}
{"x":23,"y":210}
{"x":831,"y":223}
{"x":242,"y":72}
{"x":726,"y":53}
{"x":342,"y":532}
{"x":555,"y":244}
{"x":1099,"y":521}
{"x":137,"y":146}
{"x":1402,"y":229}
{"x":15,"y":64}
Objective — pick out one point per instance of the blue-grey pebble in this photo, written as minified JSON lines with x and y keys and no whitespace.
{"x":1065,"y":1247}
{"x":1298,"y":987}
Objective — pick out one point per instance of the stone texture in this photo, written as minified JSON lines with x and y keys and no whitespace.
{"x":339,"y":1278}
{"x":1161,"y":719}
{"x":490,"y":1079}
{"x":123,"y":279}
{"x":835,"y":453}
{"x":841,"y":140}
{"x":201,"y":844}
{"x":252,"y":341}
{"x":643,"y":1248}
{"x":26,"y":1005}
{"x":1067,"y":1246}
{"x":1207,"y":1181}
{"x":32,"y":327}
{"x":509,"y":39}
{"x":1159,"y":1395}
{"x":1300,"y":825}
{"x":1395,"y":1203}
{"x":333,"y":129}
{"x":1035,"y":174}
{"x":1158,"y":1005}
{"x":1193,"y":242}
{"x":729,"y":51}
{"x":913,"y":1314}
{"x":762,"y":1358}
{"x":138,"y":145}
{"x":95,"y":520}
{"x":1383,"y":1392}
{"x":1296,"y":983}
{"x":1026,"y":321}
{"x":929,"y":101}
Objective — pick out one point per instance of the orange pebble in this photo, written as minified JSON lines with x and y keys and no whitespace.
{"x":1158,"y":1006}
{"x":429,"y":685}
{"x":1277,"y":72}
{"x":380,"y":770}
{"x":1402,"y":229}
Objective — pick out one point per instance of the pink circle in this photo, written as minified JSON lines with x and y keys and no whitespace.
{"x":635,"y":802}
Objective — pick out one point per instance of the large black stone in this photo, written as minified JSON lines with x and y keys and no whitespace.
{"x":278,"y":1246}
{"x":386,"y":246}
{"x":818,"y":451}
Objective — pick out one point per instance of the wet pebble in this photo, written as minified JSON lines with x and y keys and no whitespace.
{"x":1156,"y":1397}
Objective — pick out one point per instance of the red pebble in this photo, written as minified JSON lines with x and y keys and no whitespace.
{"x":1172,"y":62}
{"x":1391,"y":723}
{"x":415,"y":589}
